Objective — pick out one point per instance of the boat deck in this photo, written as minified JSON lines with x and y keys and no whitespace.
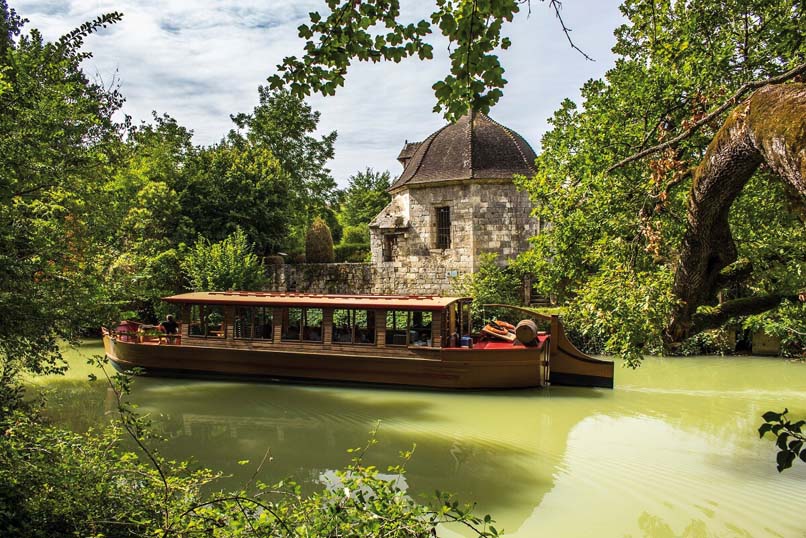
{"x":501,"y":345}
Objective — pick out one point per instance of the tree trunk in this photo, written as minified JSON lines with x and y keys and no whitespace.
{"x":769,"y":127}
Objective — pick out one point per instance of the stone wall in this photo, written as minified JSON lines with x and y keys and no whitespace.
{"x":502,"y":222}
{"x":354,"y":278}
{"x":486,"y":217}
{"x":338,"y":278}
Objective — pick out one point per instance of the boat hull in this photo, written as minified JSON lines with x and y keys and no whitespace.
{"x":570,"y":366}
{"x":454,"y":368}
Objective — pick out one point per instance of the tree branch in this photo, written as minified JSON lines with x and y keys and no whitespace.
{"x":763,"y":129}
{"x":556,"y":5}
{"x":732,"y":100}
{"x":735,"y":273}
{"x":746,"y":306}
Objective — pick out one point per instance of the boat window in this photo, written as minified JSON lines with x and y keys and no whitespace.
{"x":292,"y":324}
{"x":353,"y":326}
{"x":194,"y":325}
{"x":420,"y":333}
{"x":397,"y":323}
{"x":466,"y":324}
{"x":312,"y":331}
{"x":302,"y":324}
{"x":254,"y":322}
{"x":364,"y":327}
{"x":214,"y":321}
{"x":343,"y":324}
{"x":206,"y":321}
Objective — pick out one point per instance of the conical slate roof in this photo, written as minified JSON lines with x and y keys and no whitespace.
{"x":475,"y":147}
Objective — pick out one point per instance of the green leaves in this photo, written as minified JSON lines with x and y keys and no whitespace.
{"x":55,"y":131}
{"x":790,"y":438}
{"x":347,"y":33}
{"x":319,"y":243}
{"x":355,"y":30}
{"x":229,"y":264}
{"x":364,"y":197}
{"x":476,"y":75}
{"x":614,"y":237}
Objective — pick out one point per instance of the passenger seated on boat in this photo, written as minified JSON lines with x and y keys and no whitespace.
{"x":364,"y":337}
{"x":341,"y":336}
{"x":420,"y":338}
{"x":169,"y":326}
{"x":312,"y":335}
{"x":291,"y":333}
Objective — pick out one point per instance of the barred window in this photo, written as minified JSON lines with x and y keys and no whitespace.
{"x":443,"y":227}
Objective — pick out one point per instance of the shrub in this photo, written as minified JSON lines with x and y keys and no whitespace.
{"x":352,"y":252}
{"x":319,"y":243}
{"x":787,"y":322}
{"x":356,"y":234}
{"x":490,"y":284}
{"x":227,"y":265}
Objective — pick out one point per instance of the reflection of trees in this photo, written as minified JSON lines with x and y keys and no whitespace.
{"x":309,"y":430}
{"x":655,"y":527}
{"x":76,"y":404}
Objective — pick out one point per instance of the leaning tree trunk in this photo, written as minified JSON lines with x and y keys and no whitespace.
{"x":769,"y":127}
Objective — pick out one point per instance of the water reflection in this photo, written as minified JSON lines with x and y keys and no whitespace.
{"x":672,"y":451}
{"x":309,"y":429}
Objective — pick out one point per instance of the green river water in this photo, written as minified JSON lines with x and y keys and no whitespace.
{"x":672,"y":451}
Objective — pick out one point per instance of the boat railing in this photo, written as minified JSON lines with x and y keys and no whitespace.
{"x":141,"y":333}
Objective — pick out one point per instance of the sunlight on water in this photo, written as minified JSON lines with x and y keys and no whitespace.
{"x":672,"y":451}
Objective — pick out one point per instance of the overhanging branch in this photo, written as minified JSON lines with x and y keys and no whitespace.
{"x":732,"y":100}
{"x":746,"y":306}
{"x":735,"y":273}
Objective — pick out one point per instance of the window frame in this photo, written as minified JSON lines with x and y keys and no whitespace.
{"x":443,"y":227}
{"x":254,"y":317}
{"x":388,"y":247}
{"x":201,"y":322}
{"x":303,"y":324}
{"x":352,"y":323}
{"x":389,"y":341}
{"x":427,"y":328}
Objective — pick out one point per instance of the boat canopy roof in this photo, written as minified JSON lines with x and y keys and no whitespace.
{"x":257,"y":298}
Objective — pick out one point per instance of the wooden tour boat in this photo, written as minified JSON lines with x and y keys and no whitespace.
{"x":420,"y":341}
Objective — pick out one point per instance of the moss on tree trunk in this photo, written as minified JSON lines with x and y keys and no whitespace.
{"x":770,"y":128}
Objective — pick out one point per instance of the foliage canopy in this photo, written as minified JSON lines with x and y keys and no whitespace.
{"x":675,"y":61}
{"x":372,"y":31}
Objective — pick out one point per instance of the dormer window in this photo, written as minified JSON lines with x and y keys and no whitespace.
{"x":443,"y":228}
{"x":389,"y":242}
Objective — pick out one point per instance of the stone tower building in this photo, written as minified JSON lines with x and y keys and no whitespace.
{"x":454,"y":201}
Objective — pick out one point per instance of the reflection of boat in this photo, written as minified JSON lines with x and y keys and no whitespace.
{"x":404,"y":340}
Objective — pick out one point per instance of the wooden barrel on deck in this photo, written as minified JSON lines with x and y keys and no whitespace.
{"x":526,"y":332}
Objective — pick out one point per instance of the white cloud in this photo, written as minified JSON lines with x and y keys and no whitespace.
{"x":202,"y":61}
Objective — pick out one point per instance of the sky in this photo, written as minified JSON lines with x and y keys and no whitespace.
{"x":203,"y":60}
